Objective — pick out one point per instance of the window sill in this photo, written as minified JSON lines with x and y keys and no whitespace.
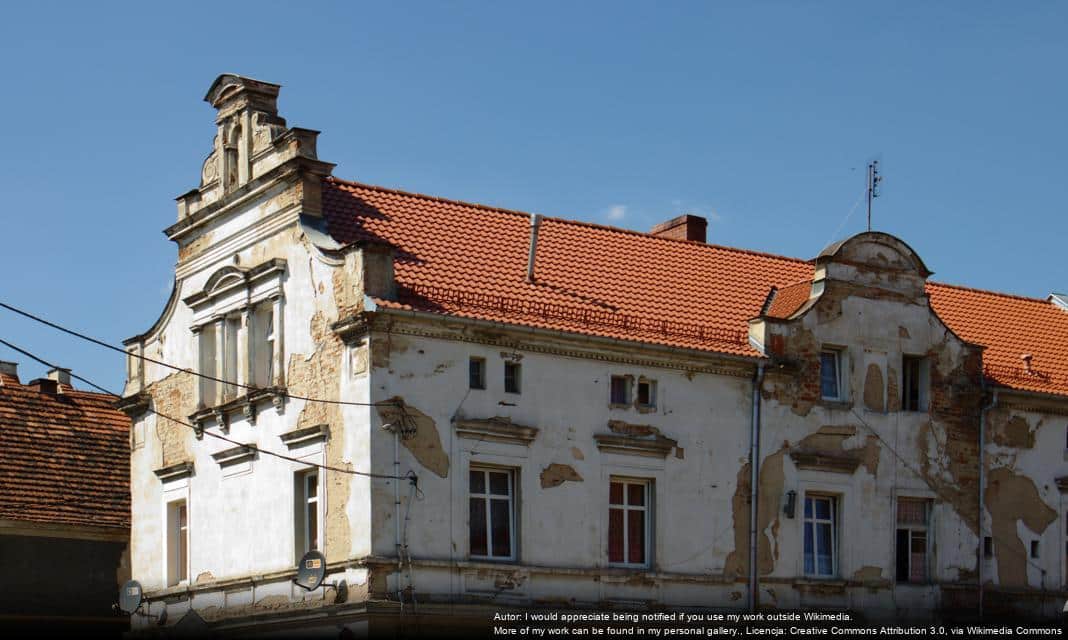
{"x":618,"y":405}
{"x":493,"y":561}
{"x":245,"y":404}
{"x":829,"y":403}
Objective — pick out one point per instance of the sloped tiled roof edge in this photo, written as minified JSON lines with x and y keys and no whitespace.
{"x":453,"y":258}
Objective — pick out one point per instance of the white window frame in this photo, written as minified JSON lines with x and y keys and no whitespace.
{"x":309,"y":505}
{"x":177,"y":542}
{"x":646,"y":508}
{"x":812,"y":521}
{"x":487,"y":499}
{"x":838,"y":359}
{"x":912,"y":528}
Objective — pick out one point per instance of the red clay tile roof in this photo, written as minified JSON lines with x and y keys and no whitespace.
{"x":470,"y":260}
{"x":65,"y":457}
{"x":1009,"y":327}
{"x":789,"y":299}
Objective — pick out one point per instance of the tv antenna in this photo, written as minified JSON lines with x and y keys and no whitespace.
{"x":310,"y":574}
{"x":873,"y":186}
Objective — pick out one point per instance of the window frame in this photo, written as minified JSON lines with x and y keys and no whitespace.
{"x":516,"y":370}
{"x":308,"y":505}
{"x":626,"y":389}
{"x":177,"y":539}
{"x":651,"y":392}
{"x":913,"y":529}
{"x":806,"y":520}
{"x":487,"y":497}
{"x":481,"y":364}
{"x":837,"y":354}
{"x":626,"y":508}
{"x":921,"y":378}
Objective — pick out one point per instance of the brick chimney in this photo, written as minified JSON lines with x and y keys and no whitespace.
{"x":9,"y":372}
{"x":44,"y":385}
{"x":684,"y":227}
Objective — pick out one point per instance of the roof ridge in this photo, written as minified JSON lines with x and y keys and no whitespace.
{"x":1002,"y":294}
{"x":561,"y":220}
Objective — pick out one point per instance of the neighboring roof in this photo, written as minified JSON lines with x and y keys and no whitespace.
{"x":66,"y":457}
{"x":789,"y":299}
{"x":470,"y":260}
{"x":1009,"y":327}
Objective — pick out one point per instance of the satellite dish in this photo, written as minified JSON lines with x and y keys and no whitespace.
{"x":130,"y":597}
{"x":311,"y":571}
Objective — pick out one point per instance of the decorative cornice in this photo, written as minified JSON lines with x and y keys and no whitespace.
{"x":536,"y":340}
{"x":822,"y":462}
{"x":174,"y":471}
{"x":1032,"y":401}
{"x":652,"y":447}
{"x":307,"y":435}
{"x":496,"y":429}
{"x":234,"y":455}
{"x":246,"y":404}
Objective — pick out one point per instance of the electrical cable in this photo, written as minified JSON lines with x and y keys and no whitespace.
{"x":411,"y":477}
{"x":283,"y":392}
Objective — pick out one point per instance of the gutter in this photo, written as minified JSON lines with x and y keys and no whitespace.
{"x":754,"y":468}
{"x":982,"y":486}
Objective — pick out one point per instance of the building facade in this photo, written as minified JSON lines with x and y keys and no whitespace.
{"x":466,"y":408}
{"x":64,"y":506}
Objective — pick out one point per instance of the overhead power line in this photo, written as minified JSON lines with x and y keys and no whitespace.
{"x":162,"y":363}
{"x":410,"y":476}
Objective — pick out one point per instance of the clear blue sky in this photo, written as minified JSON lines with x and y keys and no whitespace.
{"x":760,"y":116}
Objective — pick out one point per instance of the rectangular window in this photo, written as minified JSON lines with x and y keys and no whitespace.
{"x":511,"y":377}
{"x":1034,"y":549}
{"x":206,"y":340}
{"x":491,"y":514}
{"x":177,"y":542}
{"x":831,"y":375}
{"x":912,"y":539}
{"x":988,"y":547}
{"x":262,"y":345}
{"x":914,"y":383}
{"x":620,"y":390}
{"x":628,"y":522}
{"x":647,"y":394}
{"x":821,"y":556}
{"x":476,"y":373}
{"x":229,"y":356}
{"x":306,"y":511}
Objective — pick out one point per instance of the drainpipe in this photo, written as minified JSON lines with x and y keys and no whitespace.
{"x":396,"y":503}
{"x":754,"y":468}
{"x":982,"y":485}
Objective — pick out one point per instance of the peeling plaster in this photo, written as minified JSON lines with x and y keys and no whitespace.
{"x":556,"y":474}
{"x":1010,"y":497}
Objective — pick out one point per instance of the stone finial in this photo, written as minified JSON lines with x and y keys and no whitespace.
{"x":230,"y":93}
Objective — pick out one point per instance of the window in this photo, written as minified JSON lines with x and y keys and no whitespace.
{"x":821,"y":557}
{"x":988,"y":547}
{"x":912,"y":518}
{"x":628,"y":522}
{"x":647,"y":394}
{"x":1034,"y":549}
{"x":262,"y":345}
{"x":511,"y":377}
{"x":914,"y":383}
{"x":177,"y":542}
{"x":476,"y":373}
{"x":620,"y":391}
{"x":831,"y":374}
{"x":306,"y":492}
{"x":492,"y":514}
{"x":218,"y":359}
